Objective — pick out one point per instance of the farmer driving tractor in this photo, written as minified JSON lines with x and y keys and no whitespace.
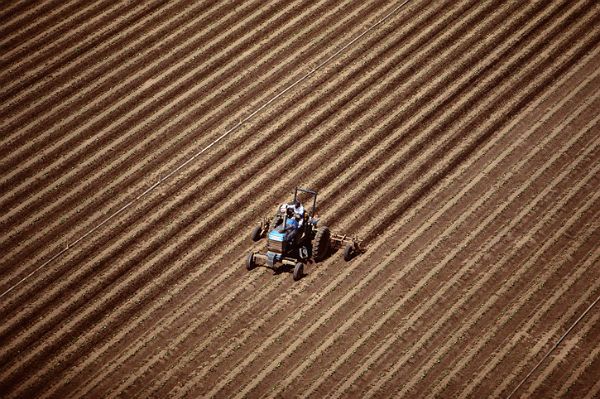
{"x":294,"y":239}
{"x":291,"y":226}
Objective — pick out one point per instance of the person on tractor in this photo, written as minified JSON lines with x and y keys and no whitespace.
{"x":298,"y":208}
{"x":279,"y":216}
{"x":298,"y":211}
{"x":291,"y":226}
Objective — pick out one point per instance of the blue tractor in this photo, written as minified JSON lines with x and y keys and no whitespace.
{"x":294,"y":239}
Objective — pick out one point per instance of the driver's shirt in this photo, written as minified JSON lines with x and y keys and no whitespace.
{"x":291,"y":224}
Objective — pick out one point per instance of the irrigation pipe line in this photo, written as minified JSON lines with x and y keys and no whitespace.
{"x":553,"y":348}
{"x":208,"y":147}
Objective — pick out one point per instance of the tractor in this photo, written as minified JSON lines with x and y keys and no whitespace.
{"x":294,"y":240}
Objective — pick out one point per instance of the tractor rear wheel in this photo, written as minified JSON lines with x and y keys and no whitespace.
{"x":298,"y":271}
{"x":348,"y":252}
{"x":250,"y":264}
{"x":256,"y":233}
{"x":321,"y":243}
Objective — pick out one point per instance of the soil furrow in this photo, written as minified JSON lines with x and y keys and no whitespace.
{"x":118,"y":71}
{"x":95,"y":108}
{"x":466,"y":357}
{"x":406,"y":297}
{"x":396,"y":117}
{"x":585,"y":335}
{"x":458,"y":139}
{"x":123,"y":166}
{"x":67,"y":40}
{"x":484,"y":172}
{"x":543,"y":339}
{"x":381,"y":382}
{"x":11,"y":8}
{"x":25,"y":22}
{"x":64,"y":41}
{"x":588,"y":366}
{"x":586,"y":294}
{"x":594,"y":391}
{"x":373,"y":300}
{"x":413,"y":125}
{"x":502,"y":75}
{"x":549,"y":374}
{"x":191,"y":193}
{"x":488,"y":307}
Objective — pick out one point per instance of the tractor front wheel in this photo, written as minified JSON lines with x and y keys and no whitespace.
{"x":250,"y":264}
{"x":256,"y":233}
{"x":298,"y":271}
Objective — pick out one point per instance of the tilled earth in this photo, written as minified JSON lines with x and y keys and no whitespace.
{"x":141,"y":141}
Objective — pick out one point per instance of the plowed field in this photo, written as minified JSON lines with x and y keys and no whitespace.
{"x":141,"y":141}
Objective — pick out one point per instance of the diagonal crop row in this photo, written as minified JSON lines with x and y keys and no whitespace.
{"x":586,"y":367}
{"x":395,"y":117}
{"x":465,"y":358}
{"x":555,"y":366}
{"x":439,"y":293}
{"x":491,"y":302}
{"x":126,"y":279}
{"x":130,"y":101}
{"x":71,"y":37}
{"x":406,"y":298}
{"x":502,"y":76}
{"x":573,"y":307}
{"x":75,"y":35}
{"x":488,"y":169}
{"x":16,"y":8}
{"x":27,"y":21}
{"x":105,"y":69}
{"x":37,"y":20}
{"x":491,"y":336}
{"x":543,"y":342}
{"x":426,"y":113}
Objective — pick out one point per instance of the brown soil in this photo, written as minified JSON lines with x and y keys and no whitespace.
{"x":459,"y":139}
